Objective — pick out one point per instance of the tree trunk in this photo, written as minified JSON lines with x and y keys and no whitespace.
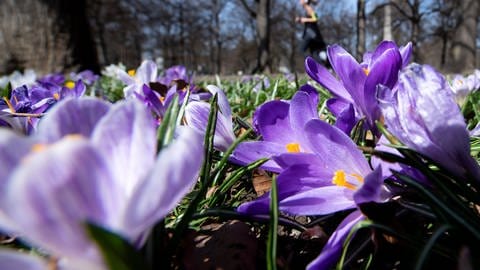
{"x":49,"y":36}
{"x":361,"y":18}
{"x":263,"y":36}
{"x":463,"y":49}
{"x":387,"y":23}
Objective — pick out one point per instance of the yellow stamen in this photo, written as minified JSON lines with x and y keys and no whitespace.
{"x":340,"y":179}
{"x":56,"y":96}
{"x":69,"y":84}
{"x":358,"y":177}
{"x":162,"y":99}
{"x":73,"y":137}
{"x":38,"y":147}
{"x":131,"y":72}
{"x":9,"y":104}
{"x":293,"y":148}
{"x":366,"y":71}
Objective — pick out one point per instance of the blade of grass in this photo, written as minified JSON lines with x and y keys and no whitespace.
{"x":232,"y":179}
{"x":221,"y":165}
{"x":273,"y":228}
{"x":182,"y":108}
{"x":182,"y":225}
{"x":422,"y":258}
{"x":169,"y":123}
{"x":447,"y":211}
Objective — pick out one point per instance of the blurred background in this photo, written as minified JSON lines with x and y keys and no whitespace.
{"x":226,"y":36}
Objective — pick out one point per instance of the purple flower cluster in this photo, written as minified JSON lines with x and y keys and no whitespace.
{"x":157,"y":92}
{"x":21,"y":109}
{"x":321,"y":170}
{"x":88,"y":160}
{"x":354,"y":92}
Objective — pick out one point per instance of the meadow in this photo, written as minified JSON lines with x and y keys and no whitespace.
{"x":370,"y":165}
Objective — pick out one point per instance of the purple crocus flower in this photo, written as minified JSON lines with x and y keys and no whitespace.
{"x":177,"y":80}
{"x":354,"y":92}
{"x":280,"y":123}
{"x":262,"y":84}
{"x":86,"y":76}
{"x":421,"y":112}
{"x":334,"y":176}
{"x":462,"y":86}
{"x":26,"y":103}
{"x":145,"y":73}
{"x":197,"y":112}
{"x":173,"y":74}
{"x":333,"y":249}
{"x":17,"y":79}
{"x":54,"y":78}
{"x":106,"y":169}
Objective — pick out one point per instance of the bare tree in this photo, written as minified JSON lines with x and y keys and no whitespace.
{"x":360,"y":28}
{"x":387,"y":23}
{"x":261,"y":13}
{"x":463,"y":49}
{"x":412,"y":11}
{"x":46,"y":35}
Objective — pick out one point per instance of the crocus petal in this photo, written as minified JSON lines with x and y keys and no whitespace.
{"x":174,"y":174}
{"x":384,"y":69}
{"x":147,"y":72}
{"x":224,"y":135}
{"x":286,"y":160}
{"x":125,"y":77}
{"x":72,"y":116}
{"x":301,"y":111}
{"x":318,"y":201}
{"x":73,"y":176}
{"x":372,"y":189}
{"x":387,"y":167}
{"x":11,"y":259}
{"x":349,"y":71}
{"x":425,"y":117}
{"x":130,"y":90}
{"x":345,"y":114}
{"x":321,"y":75}
{"x":257,"y":207}
{"x":333,"y":249}
{"x":222,"y":101}
{"x":294,"y":179}
{"x":312,"y":93}
{"x":335,"y":148}
{"x":152,"y":100}
{"x":10,"y":156}
{"x":126,"y":136}
{"x":273,"y":122}
{"x":248,"y":152}
{"x":197,"y":113}
{"x":301,"y":177}
{"x":406,"y":52}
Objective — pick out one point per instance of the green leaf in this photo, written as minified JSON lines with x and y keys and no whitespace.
{"x":169,"y":123}
{"x":117,"y":252}
{"x":273,"y":228}
{"x":6,"y":92}
{"x":205,"y":178}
